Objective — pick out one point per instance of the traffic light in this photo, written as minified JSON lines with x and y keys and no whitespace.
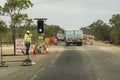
{"x":40,"y":26}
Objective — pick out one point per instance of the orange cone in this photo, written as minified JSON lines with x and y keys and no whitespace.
{"x":46,"y":46}
{"x":32,"y":50}
{"x":47,"y":51}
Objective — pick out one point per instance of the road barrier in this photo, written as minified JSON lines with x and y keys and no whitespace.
{"x":40,"y":47}
{"x":3,"y":62}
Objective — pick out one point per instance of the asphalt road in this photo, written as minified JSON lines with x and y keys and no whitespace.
{"x":87,"y":62}
{"x":82,"y":63}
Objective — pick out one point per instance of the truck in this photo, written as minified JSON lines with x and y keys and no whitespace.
{"x":60,"y":36}
{"x":73,"y":37}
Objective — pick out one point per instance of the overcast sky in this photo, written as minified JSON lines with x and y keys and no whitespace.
{"x":73,"y":14}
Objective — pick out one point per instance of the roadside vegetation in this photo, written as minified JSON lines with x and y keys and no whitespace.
{"x":20,"y":22}
{"x":105,"y":32}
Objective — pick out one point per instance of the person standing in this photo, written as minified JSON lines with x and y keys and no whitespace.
{"x":28,"y":40}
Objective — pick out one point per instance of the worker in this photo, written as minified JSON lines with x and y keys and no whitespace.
{"x":28,"y":40}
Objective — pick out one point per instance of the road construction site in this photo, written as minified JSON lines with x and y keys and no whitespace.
{"x":42,"y":62}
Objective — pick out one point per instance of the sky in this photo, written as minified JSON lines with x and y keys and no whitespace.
{"x":72,"y":14}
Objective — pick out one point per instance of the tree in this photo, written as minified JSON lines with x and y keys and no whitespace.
{"x":3,"y":30}
{"x":115,"y":20}
{"x":3,"y":27}
{"x":86,"y":30}
{"x":51,"y":30}
{"x":100,"y":30}
{"x":13,"y":8}
{"x":18,"y":19}
{"x":0,"y":10}
{"x":115,"y":29}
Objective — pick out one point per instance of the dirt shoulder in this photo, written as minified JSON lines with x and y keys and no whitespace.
{"x":15,"y":70}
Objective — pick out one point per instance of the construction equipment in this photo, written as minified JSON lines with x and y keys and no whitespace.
{"x":73,"y":37}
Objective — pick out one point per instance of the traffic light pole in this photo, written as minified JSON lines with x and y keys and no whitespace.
{"x":40,"y":25}
{"x":40,"y":30}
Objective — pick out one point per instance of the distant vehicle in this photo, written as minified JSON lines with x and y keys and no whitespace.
{"x":60,"y":36}
{"x":73,"y":37}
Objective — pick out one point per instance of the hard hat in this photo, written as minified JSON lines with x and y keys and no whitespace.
{"x":28,"y":31}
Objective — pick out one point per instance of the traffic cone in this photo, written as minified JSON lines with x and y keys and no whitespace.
{"x":47,"y":50}
{"x":37,"y":51}
{"x":32,"y":50}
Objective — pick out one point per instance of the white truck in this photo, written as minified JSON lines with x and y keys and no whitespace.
{"x":73,"y":37}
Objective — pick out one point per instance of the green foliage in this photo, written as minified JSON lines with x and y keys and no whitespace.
{"x":5,"y":32}
{"x":3,"y":27}
{"x":18,"y":19}
{"x":0,"y":10}
{"x":115,"y":29}
{"x":51,"y":30}
{"x":99,"y":29}
{"x":102,"y":31}
{"x":13,"y":8}
{"x":115,"y":35}
{"x":86,"y":30}
{"x":115,"y":20}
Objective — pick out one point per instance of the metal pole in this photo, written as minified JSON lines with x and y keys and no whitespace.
{"x":13,"y":35}
{"x":1,"y":52}
{"x":14,"y":40}
{"x":2,"y":63}
{"x":28,"y":56}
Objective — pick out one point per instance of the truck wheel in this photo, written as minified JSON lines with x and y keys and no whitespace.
{"x":67,"y":44}
{"x":80,"y":44}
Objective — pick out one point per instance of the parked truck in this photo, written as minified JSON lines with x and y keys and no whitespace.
{"x":73,"y":37}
